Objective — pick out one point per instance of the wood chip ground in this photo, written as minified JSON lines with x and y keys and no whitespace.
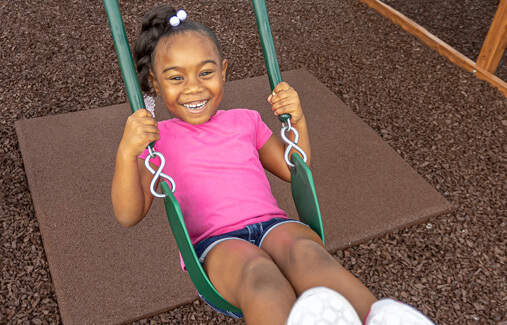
{"x":58,"y":57}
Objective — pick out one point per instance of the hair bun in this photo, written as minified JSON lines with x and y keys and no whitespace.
{"x":153,"y":25}
{"x":158,"y":17}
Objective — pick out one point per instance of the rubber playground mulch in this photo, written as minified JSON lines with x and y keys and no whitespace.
{"x":58,"y":57}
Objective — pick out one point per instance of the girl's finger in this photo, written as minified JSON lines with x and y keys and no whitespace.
{"x":288,"y":101}
{"x":289,"y":109}
{"x":152,"y":136}
{"x":151,"y":129}
{"x":270,"y":99}
{"x":141,"y":113}
{"x":148,"y":121}
{"x":284,"y":94}
{"x":281,"y":87}
{"x":143,"y":117}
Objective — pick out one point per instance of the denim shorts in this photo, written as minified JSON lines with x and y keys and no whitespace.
{"x":254,"y":234}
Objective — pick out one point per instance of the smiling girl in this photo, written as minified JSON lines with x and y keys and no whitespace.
{"x":256,"y":257}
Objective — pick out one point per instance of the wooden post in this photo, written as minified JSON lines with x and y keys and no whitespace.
{"x":440,"y":46}
{"x":496,"y":40}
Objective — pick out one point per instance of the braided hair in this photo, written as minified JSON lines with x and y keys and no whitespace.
{"x":154,"y":27}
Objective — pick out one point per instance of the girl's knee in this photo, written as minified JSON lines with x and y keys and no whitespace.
{"x":244,"y":274}
{"x":308,"y":253}
{"x":259,"y":272}
{"x":264,"y":288}
{"x":263,"y":284}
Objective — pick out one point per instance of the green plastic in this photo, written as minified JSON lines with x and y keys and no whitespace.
{"x":268,"y":48}
{"x":304,"y":195}
{"x":303,"y":190}
{"x":194,"y":267}
{"x":122,"y":47}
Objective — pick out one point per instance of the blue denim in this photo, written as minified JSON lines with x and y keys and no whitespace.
{"x":222,"y":311}
{"x":254,"y":234}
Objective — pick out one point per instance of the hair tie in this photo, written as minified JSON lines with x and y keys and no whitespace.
{"x":181,"y":15}
{"x":149,"y":104}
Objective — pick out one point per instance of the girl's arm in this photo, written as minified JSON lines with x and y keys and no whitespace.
{"x":285,"y":99}
{"x":130,"y":191}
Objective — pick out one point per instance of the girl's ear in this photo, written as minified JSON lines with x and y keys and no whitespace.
{"x":154,"y":83}
{"x":224,"y":69}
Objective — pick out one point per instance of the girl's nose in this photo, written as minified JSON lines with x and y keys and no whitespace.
{"x":193,"y":86}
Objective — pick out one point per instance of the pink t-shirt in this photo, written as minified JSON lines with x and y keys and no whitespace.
{"x":221,"y":185}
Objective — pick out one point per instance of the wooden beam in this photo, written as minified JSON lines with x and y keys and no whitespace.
{"x":437,"y":44}
{"x":496,"y":40}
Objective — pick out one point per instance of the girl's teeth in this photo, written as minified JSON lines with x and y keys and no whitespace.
{"x":195,"y":106}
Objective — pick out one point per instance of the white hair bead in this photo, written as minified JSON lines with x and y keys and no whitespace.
{"x":181,"y":14}
{"x":174,"y":21}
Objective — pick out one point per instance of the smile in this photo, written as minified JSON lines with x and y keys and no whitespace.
{"x":195,"y":106}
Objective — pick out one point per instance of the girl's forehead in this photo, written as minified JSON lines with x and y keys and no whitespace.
{"x":185,"y":46}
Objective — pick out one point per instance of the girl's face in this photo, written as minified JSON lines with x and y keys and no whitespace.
{"x":189,"y":76}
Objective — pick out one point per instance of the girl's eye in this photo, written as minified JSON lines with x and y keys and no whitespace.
{"x":176,"y":78}
{"x":206,"y":73}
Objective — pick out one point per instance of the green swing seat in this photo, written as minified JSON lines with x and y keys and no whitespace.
{"x":305,"y":199}
{"x":303,"y":189}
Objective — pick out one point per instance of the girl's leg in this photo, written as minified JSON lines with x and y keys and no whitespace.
{"x":298,"y":252}
{"x":248,"y":278}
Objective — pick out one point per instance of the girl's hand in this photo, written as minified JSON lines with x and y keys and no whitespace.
{"x":285,"y":99}
{"x":140,"y":130}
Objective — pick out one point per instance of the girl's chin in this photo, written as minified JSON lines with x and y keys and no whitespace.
{"x":197,"y":118}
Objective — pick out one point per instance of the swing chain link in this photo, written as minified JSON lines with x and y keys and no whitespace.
{"x":158,"y":173}
{"x":291,"y":144}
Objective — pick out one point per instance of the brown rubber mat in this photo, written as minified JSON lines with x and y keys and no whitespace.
{"x":105,"y":274}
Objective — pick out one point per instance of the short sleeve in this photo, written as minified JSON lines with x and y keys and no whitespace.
{"x":263,"y":132}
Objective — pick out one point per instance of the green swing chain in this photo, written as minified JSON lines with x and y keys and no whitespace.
{"x":274,"y":75}
{"x":303,"y":190}
{"x":134,"y":90}
{"x":132,"y":86}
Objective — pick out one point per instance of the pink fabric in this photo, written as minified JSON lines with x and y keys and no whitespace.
{"x":221,"y":185}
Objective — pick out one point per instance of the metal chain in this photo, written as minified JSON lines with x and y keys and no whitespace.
{"x":158,"y":173}
{"x":291,"y":144}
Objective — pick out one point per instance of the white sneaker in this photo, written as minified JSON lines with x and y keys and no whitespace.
{"x":322,"y":306}
{"x":391,"y":312}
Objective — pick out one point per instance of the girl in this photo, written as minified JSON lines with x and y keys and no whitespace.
{"x":256,"y":257}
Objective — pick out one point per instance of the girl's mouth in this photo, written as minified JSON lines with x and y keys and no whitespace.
{"x":196,"y":106}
